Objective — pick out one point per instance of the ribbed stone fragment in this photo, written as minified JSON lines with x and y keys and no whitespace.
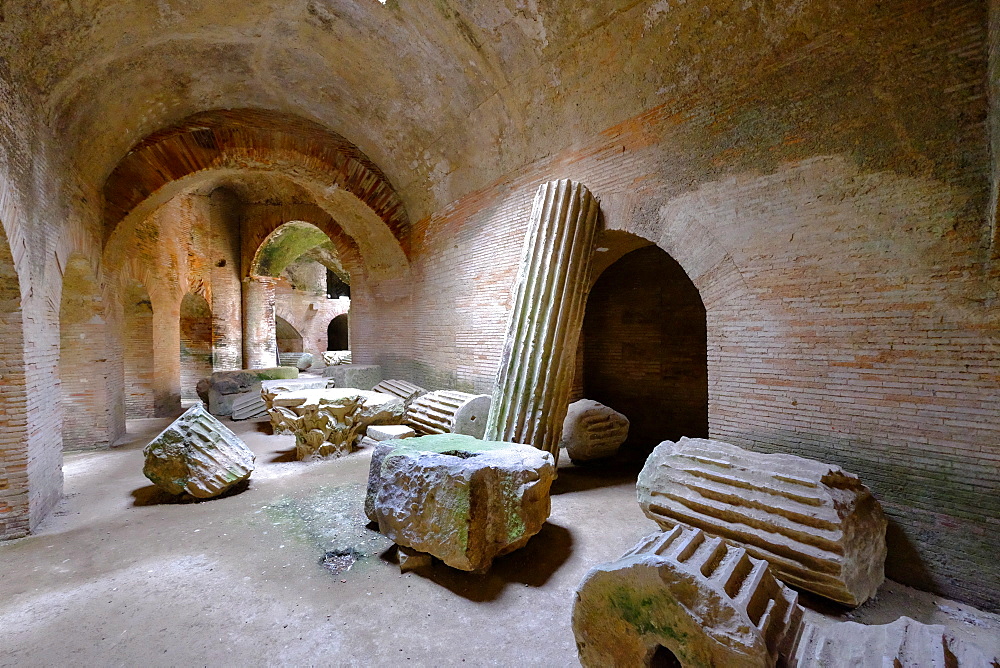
{"x":817,"y":525}
{"x":707,"y":602}
{"x":463,"y":500}
{"x":248,"y":406}
{"x":198,"y":455}
{"x":536,"y":368}
{"x":400,"y":388}
{"x":449,"y":412}
{"x":592,"y":430}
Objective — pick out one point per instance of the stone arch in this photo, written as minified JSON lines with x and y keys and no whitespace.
{"x":338,"y":333}
{"x":212,"y":145}
{"x":195,"y":324}
{"x":14,"y":503}
{"x":137,"y":354}
{"x":289,"y":340}
{"x":644,"y":349}
{"x":84,"y":366}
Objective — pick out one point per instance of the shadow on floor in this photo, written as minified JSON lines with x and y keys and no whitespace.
{"x":532,"y":566}
{"x":283,"y":456}
{"x":592,"y":475}
{"x":151,"y":495}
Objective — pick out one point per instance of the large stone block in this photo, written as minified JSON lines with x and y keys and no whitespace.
{"x":222,"y":388}
{"x":592,"y":430}
{"x":707,"y":602}
{"x":449,"y":412}
{"x":198,"y":455}
{"x":817,"y":525}
{"x":330,"y":422}
{"x":360,"y":376}
{"x":460,"y":499}
{"x":300,"y":361}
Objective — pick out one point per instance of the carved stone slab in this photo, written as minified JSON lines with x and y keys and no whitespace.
{"x":817,"y":525}
{"x":198,"y":455}
{"x":592,"y":430}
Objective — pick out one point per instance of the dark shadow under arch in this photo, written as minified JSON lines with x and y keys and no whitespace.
{"x":337,"y":337}
{"x":289,"y":339}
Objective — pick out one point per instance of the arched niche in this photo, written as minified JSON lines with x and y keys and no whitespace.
{"x":643,"y":348}
{"x":14,"y":511}
{"x":83,"y":359}
{"x":337,"y":333}
{"x":137,"y":352}
{"x":196,"y":344}
{"x":288,"y":338}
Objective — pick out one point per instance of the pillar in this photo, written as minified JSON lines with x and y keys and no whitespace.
{"x":536,"y":369}
{"x":260,"y":346}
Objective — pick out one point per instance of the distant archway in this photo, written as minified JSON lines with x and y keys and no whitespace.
{"x":645,"y":350}
{"x":196,"y":344}
{"x":337,"y":336}
{"x":83,"y":359}
{"x":289,"y":339}
{"x":137,"y":352}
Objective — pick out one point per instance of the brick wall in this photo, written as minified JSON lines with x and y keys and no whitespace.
{"x":137,"y":343}
{"x":644,"y":349}
{"x":196,"y":344}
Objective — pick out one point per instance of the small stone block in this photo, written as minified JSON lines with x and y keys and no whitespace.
{"x":386,"y":432}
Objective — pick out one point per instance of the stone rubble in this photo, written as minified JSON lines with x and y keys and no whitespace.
{"x":336,"y":357}
{"x":301,"y":361}
{"x":360,"y":376}
{"x":197,"y":455}
{"x":817,"y":525}
{"x":222,"y":388}
{"x":592,"y":430}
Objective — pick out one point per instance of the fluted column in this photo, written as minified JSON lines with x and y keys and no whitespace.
{"x":260,"y":347}
{"x":533,"y":385}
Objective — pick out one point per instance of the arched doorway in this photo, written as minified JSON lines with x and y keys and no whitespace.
{"x":137,"y":352}
{"x":337,"y":333}
{"x":83,"y":359}
{"x":644,"y":349}
{"x":289,"y":339}
{"x":196,"y":344}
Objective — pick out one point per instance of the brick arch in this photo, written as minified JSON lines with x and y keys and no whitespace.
{"x":211,"y":145}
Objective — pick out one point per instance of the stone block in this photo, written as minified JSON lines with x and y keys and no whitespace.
{"x":330,"y":422}
{"x":460,"y":499}
{"x":707,"y":602}
{"x":197,"y":455}
{"x":388,"y":432}
{"x":300,"y":361}
{"x":221,"y":389}
{"x":817,"y":525}
{"x":449,"y":412}
{"x":592,"y":430}
{"x":336,"y":357}
{"x":360,"y":376}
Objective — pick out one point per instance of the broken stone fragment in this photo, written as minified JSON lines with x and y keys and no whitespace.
{"x":592,"y":430}
{"x":411,"y":560}
{"x":460,"y":499}
{"x":300,"y":361}
{"x":817,"y":525}
{"x":222,"y":388}
{"x":198,"y":455}
{"x":360,"y":376}
{"x":336,"y":357}
{"x":449,"y":412}
{"x":388,"y":432}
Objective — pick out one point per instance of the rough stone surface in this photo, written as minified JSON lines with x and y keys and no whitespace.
{"x":337,"y":357}
{"x":592,"y":430}
{"x":360,"y":376}
{"x":536,"y":370}
{"x":300,"y":361}
{"x":817,"y":525}
{"x":248,"y":406}
{"x":330,"y":422}
{"x":463,"y":500}
{"x":411,"y":560}
{"x":389,"y":432}
{"x":708,"y":602}
{"x":198,"y":455}
{"x":449,"y":412}
{"x":219,"y":390}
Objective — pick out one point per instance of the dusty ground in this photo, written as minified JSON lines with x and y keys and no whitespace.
{"x":123,"y":574}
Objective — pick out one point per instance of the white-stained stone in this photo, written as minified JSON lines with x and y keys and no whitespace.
{"x":449,"y":412}
{"x":360,"y":376}
{"x":400,"y":388}
{"x":330,"y":422}
{"x":336,"y":357}
{"x":817,"y":525}
{"x":463,"y":500}
{"x":197,"y":455}
{"x":592,"y":430}
{"x":387,"y":432}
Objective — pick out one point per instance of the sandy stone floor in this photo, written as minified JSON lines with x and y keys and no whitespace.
{"x":122,"y":574}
